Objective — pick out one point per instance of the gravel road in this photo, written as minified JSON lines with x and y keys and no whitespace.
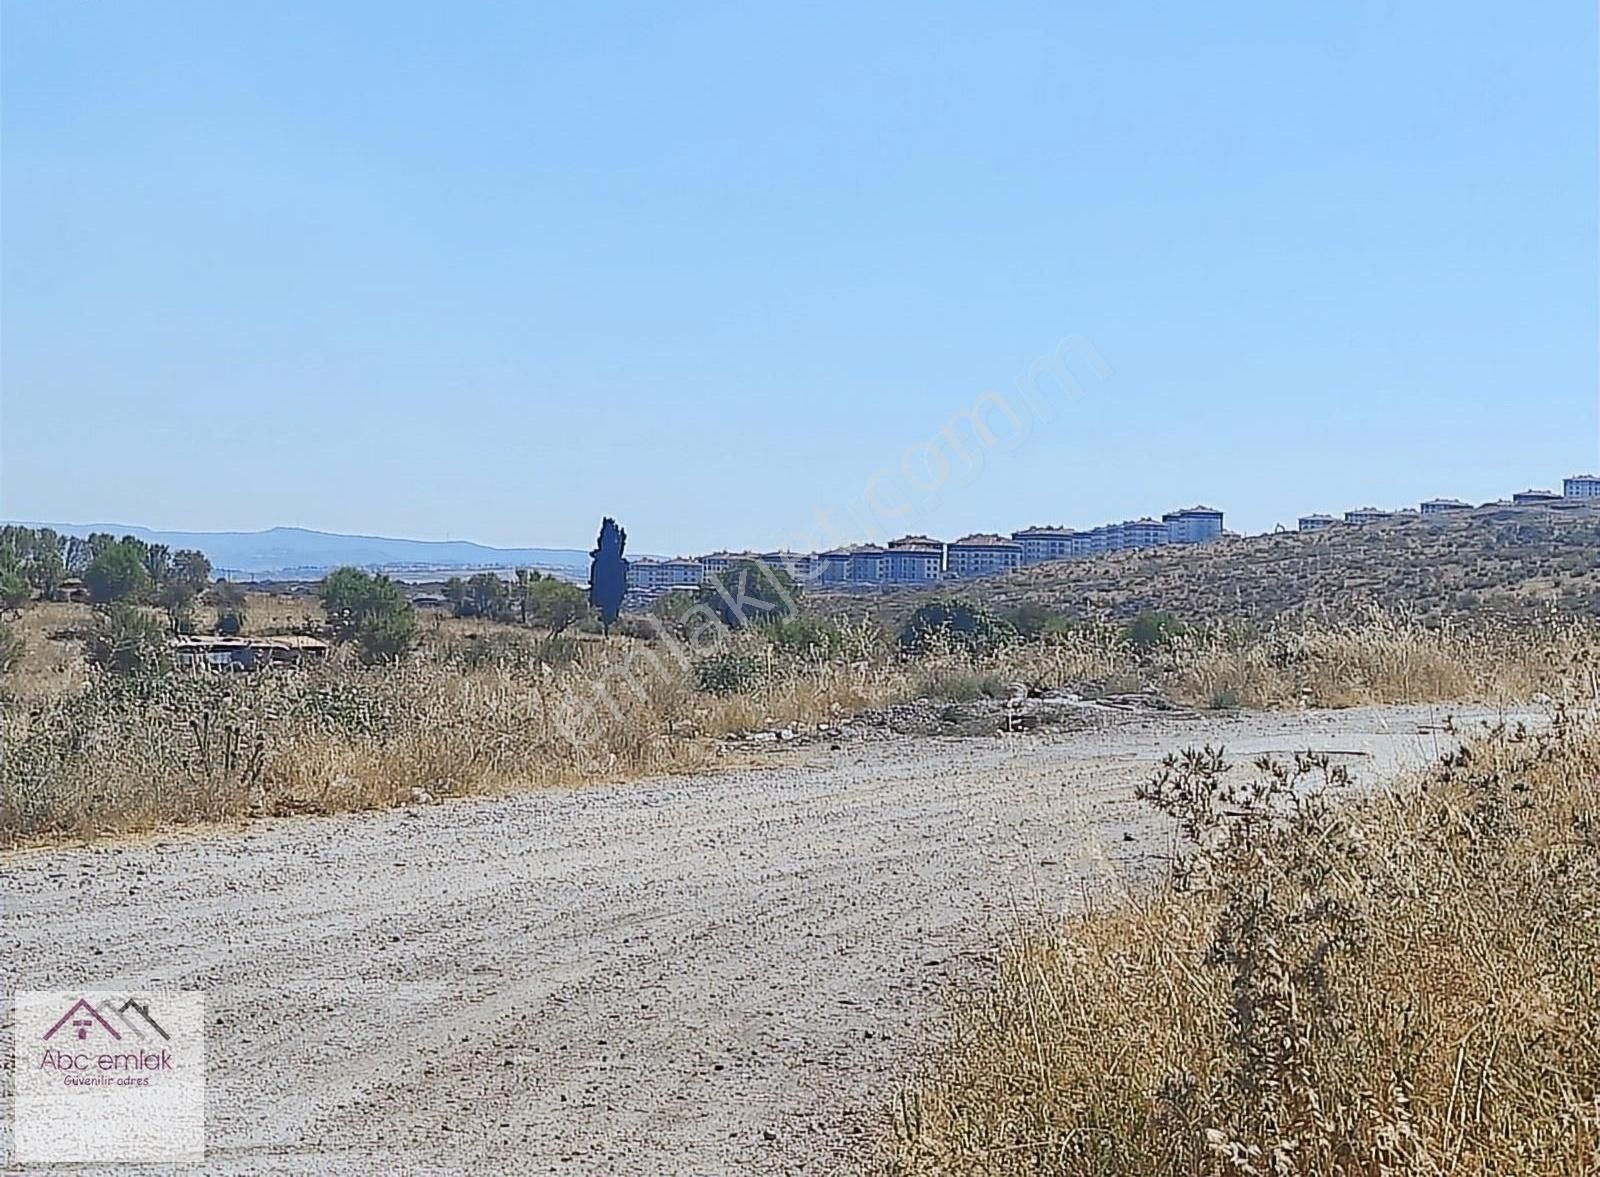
{"x":711,"y":974}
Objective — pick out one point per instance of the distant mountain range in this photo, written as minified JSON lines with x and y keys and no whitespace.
{"x":296,"y":551}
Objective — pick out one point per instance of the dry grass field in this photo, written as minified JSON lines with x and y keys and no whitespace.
{"x":483,"y":707}
{"x":1406,"y":984}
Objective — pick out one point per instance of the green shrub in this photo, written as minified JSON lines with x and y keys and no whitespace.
{"x":812,"y":636}
{"x":127,"y":640}
{"x":1035,"y":621}
{"x":1149,"y":630}
{"x":960,"y":623}
{"x":727,"y":674}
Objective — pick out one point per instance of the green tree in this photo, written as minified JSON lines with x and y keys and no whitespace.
{"x":118,"y":573}
{"x":157,"y":560}
{"x":488,"y":596}
{"x":371,"y":611}
{"x":177,"y":598}
{"x":522,"y":591}
{"x":127,"y":640}
{"x":229,"y":601}
{"x":455,"y":595}
{"x":555,"y":605}
{"x":15,"y":591}
{"x":608,"y":572}
{"x":192,"y":567}
{"x":751,"y":592}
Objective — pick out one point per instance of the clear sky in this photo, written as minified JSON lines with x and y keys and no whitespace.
{"x":488,"y":271}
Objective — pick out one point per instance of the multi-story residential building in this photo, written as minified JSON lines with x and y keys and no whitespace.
{"x":1149,"y":533}
{"x":650,"y":575}
{"x":915,"y":559}
{"x":983,"y":555}
{"x":1317,"y":522}
{"x":1044,"y":543}
{"x":869,"y":564}
{"x":1581,"y":486}
{"x":1082,"y":544}
{"x":1105,"y":538}
{"x":1193,"y":525}
{"x":831,"y":567}
{"x":1444,"y":506}
{"x":1529,"y":498}
{"x":1368,"y":515}
{"x":717,"y":562}
{"x":797,"y":564}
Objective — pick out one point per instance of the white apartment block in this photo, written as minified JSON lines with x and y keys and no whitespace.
{"x":1529,"y":498}
{"x":983,"y":555}
{"x":1581,"y":486}
{"x":1044,"y":543}
{"x":1192,"y":525}
{"x":1444,"y":506}
{"x":722,"y":561}
{"x":1317,"y":522}
{"x":651,"y":575}
{"x":1368,"y":515}
{"x":799,"y":565}
{"x":915,"y":559}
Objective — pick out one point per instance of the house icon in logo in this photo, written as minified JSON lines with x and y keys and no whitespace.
{"x":83,"y":1017}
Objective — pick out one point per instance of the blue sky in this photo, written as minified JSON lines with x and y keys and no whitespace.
{"x":489,"y":271}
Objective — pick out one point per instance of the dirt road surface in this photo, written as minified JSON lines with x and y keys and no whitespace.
{"x":717,"y":974}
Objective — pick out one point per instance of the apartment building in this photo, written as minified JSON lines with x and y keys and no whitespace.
{"x":1141,"y":533}
{"x":1192,"y":525}
{"x":1530,"y":498}
{"x":797,"y":564}
{"x":1444,"y":506}
{"x":1044,"y":543}
{"x":1317,"y":522}
{"x":654,"y":575}
{"x":869,"y":564}
{"x":1368,"y":515}
{"x":983,"y":554}
{"x":717,"y":562}
{"x":831,"y":567}
{"x":915,"y":559}
{"x":1581,"y":486}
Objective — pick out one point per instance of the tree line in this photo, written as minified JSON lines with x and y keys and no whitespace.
{"x":129,"y":570}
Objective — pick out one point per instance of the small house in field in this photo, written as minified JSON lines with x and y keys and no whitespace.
{"x":71,"y":589}
{"x":246,"y":653}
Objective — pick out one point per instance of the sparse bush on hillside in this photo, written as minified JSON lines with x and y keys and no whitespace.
{"x":12,"y":647}
{"x":127,"y":640}
{"x":814,"y":637}
{"x":1149,"y":630}
{"x":231,"y":606}
{"x":727,"y":673}
{"x":751,"y":593}
{"x":960,"y":623}
{"x":1032,"y":620}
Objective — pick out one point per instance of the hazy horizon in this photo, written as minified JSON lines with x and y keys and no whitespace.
{"x":472,"y":274}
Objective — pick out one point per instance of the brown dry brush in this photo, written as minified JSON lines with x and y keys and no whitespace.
{"x":1402,"y":984}
{"x":96,"y":753}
